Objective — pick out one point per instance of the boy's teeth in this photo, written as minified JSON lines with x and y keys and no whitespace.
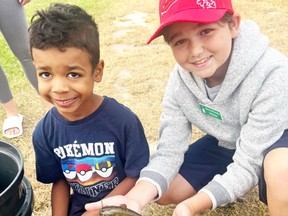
{"x":201,"y":61}
{"x":66,"y":101}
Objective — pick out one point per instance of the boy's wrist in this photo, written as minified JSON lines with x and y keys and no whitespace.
{"x":191,"y":208}
{"x":199,"y":203}
{"x":142,"y":193}
{"x":211,"y":196}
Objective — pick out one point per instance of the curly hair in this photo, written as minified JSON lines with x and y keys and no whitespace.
{"x":64,"y":25}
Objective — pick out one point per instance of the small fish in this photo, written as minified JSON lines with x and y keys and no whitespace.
{"x":118,"y":211}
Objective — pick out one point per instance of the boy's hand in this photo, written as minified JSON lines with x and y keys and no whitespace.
{"x":183,"y":209}
{"x":114,"y":201}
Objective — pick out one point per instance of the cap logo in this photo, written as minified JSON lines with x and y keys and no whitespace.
{"x":167,"y":5}
{"x":206,"y":4}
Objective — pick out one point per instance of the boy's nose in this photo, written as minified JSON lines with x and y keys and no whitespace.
{"x":195,"y":50}
{"x":59,"y":86}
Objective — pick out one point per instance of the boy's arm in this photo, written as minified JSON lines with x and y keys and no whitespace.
{"x":193,"y":205}
{"x":142,"y":193}
{"x":60,"y":195}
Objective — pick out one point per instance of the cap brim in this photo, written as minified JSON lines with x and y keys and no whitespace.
{"x":192,"y":15}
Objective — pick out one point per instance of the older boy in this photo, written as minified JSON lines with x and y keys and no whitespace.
{"x":230,"y":84}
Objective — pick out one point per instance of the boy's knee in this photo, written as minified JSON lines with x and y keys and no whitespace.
{"x":164,"y":201}
{"x":276,"y":167}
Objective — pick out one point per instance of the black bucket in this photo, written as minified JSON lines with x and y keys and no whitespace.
{"x":16,"y":194}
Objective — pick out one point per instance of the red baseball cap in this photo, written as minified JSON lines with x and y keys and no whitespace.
{"x":200,"y":11}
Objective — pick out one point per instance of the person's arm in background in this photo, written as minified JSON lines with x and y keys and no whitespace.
{"x":60,"y":196}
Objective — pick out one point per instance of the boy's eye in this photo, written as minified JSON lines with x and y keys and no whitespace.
{"x":179,"y":42}
{"x":45,"y":75}
{"x":73,"y":75}
{"x":205,"y":31}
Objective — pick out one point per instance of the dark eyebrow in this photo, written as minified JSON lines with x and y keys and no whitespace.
{"x":48,"y":68}
{"x":43,"y":68}
{"x":73,"y":68}
{"x":173,"y":36}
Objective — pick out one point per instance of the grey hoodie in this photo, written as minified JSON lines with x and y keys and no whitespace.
{"x":253,"y":102}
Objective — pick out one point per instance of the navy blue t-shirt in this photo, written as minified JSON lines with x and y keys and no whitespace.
{"x":93,"y":154}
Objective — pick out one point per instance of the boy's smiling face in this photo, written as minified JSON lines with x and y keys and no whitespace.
{"x":66,"y":79}
{"x":203,"y":49}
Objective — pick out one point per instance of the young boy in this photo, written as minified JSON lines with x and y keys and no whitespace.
{"x":230,"y":84}
{"x":89,"y":143}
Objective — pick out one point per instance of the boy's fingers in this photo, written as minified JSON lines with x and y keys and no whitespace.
{"x":116,"y":200}
{"x":97,"y":205}
{"x":94,"y":206}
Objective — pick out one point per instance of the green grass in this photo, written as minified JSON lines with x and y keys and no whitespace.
{"x":93,"y":7}
{"x":9,"y":62}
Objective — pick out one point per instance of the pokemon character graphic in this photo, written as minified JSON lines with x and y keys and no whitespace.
{"x":89,"y":170}
{"x":69,"y":170}
{"x":104,"y":169}
{"x":84,"y":172}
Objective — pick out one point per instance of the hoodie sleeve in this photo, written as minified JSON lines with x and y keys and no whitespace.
{"x":166,"y":161}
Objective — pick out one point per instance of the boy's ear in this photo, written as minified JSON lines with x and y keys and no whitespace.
{"x":235,"y":25}
{"x":98,"y":71}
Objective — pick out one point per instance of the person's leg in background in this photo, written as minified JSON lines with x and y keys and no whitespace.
{"x":14,"y":28}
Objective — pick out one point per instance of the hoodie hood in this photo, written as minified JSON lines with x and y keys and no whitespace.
{"x":248,"y":47}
